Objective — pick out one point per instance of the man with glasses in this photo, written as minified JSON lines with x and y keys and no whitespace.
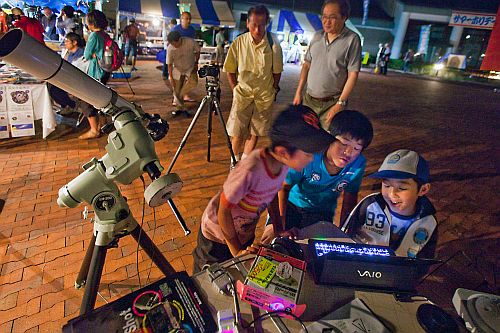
{"x":332,"y":64}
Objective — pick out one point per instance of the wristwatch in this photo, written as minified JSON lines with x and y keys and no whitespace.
{"x":342,"y":102}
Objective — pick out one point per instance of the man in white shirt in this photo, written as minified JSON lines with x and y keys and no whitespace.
{"x":182,"y":60}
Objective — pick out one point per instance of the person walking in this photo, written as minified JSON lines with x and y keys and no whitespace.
{"x":220,"y":42}
{"x":332,"y":64}
{"x":131,"y":33}
{"x":386,"y":56}
{"x":408,"y":60}
{"x":253,"y":65}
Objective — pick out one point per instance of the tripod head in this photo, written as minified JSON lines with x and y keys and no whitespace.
{"x":130,"y":149}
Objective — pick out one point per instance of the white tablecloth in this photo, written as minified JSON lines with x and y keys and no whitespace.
{"x":42,"y":106}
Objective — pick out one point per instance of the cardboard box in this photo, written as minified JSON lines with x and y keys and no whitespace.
{"x":273,"y":282}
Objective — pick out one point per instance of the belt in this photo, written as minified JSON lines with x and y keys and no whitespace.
{"x":323,"y":99}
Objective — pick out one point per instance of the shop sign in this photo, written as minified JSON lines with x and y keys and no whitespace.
{"x":472,"y":20}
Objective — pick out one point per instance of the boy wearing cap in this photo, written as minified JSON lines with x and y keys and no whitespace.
{"x":310,"y":196}
{"x":400,"y":217}
{"x":230,"y":219}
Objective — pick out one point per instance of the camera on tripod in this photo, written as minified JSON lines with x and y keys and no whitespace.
{"x":209,"y":71}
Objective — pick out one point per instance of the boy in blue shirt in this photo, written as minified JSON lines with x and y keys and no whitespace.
{"x":401,"y":216}
{"x":310,"y":196}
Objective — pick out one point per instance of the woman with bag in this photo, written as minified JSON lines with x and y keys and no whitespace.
{"x":94,"y":51}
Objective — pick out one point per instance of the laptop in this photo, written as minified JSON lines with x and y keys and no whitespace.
{"x":363,"y":266}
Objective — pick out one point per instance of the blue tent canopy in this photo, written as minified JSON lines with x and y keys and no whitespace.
{"x":206,"y":12}
{"x":55,"y":5}
{"x":303,"y":22}
{"x":164,"y":8}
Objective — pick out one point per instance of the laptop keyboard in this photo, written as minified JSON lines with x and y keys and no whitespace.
{"x":325,"y":248}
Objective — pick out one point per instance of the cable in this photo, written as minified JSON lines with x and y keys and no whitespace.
{"x":239,"y":262}
{"x":152,"y":239}
{"x":235,"y":299}
{"x":140,"y":233}
{"x":275,"y":314}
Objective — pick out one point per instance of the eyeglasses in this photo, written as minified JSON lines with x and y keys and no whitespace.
{"x":330,"y":18}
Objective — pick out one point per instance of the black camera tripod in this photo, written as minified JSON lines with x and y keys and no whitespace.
{"x":212,"y":98}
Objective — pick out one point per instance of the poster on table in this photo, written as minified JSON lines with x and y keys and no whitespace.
{"x":20,"y":110}
{"x":4,"y":125}
{"x":4,"y":118}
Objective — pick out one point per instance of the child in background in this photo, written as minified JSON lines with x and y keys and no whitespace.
{"x":400,"y":217}
{"x":230,"y":219}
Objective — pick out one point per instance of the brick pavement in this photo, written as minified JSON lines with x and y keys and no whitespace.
{"x":42,"y":245}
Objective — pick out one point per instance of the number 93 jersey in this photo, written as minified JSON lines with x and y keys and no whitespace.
{"x":372,"y":222}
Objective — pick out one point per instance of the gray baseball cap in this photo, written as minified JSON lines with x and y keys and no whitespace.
{"x":403,"y":164}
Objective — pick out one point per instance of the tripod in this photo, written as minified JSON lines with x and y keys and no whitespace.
{"x":212,"y":98}
{"x":113,"y":219}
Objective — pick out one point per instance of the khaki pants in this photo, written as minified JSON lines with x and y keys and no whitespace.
{"x":182,"y":87}
{"x":320,"y":106}
{"x":243,"y":122}
{"x":219,"y":55}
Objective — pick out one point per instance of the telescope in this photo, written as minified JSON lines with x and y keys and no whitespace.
{"x":130,"y":153}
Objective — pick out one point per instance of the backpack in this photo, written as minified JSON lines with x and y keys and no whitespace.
{"x":112,"y":57}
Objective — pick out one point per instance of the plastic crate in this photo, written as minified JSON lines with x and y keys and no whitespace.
{"x":121,"y":75}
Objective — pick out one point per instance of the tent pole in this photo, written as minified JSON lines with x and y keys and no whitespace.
{"x":117,"y":21}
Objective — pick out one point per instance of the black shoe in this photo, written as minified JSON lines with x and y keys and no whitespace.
{"x":176,"y":113}
{"x":186,"y":114}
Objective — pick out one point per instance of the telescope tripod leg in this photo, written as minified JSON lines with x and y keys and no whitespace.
{"x":93,"y":278}
{"x":186,"y":135}
{"x":209,"y":128}
{"x":216,"y":106}
{"x":152,"y":251}
{"x":84,"y":269}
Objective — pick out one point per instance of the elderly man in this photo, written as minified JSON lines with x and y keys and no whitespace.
{"x":253,"y":65}
{"x":182,"y":60}
{"x":332,"y":64}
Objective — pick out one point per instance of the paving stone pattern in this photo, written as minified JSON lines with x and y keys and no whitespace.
{"x":42,"y":245}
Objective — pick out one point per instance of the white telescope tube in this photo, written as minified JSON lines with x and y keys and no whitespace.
{"x":25,"y":52}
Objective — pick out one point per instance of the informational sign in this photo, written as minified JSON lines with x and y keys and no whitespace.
{"x":20,"y":110}
{"x":472,"y":20}
{"x":423,"y":43}
{"x":3,"y":99}
{"x":4,"y":125}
